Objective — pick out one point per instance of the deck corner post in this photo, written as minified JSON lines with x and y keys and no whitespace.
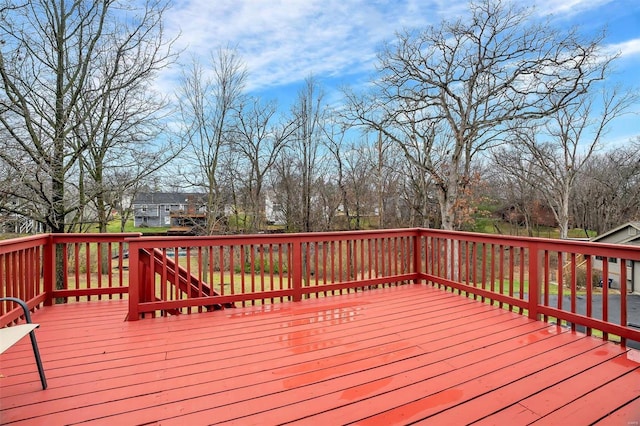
{"x":535,"y":266}
{"x":134,"y":282}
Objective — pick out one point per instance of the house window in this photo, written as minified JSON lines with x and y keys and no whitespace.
{"x":144,"y":208}
{"x":167,"y":208}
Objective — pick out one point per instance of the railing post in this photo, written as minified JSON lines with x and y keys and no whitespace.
{"x":134,"y":281}
{"x":297,"y":270}
{"x":48,"y":272}
{"x":534,"y":280}
{"x":417,"y":255}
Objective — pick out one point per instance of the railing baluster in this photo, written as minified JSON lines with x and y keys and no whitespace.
{"x":501,"y":269}
{"x":76,"y":266}
{"x":271,"y":271}
{"x":261,"y":267}
{"x":522,"y":268}
{"x":297,"y":271}
{"x":254,"y":271}
{"x":483,"y":272}
{"x":492,"y":269}
{"x":623,"y":297}
{"x":546,"y":281}
{"x":316,"y":264}
{"x":324,"y":264}
{"x":110,"y":271}
{"x":574,"y":285}
{"x":560,"y":282}
{"x":87,"y":255}
{"x":534,"y":280}
{"x":281,"y":248}
{"x":99,"y":267}
{"x":589,"y":283}
{"x":605,"y":293}
{"x":232,"y":272}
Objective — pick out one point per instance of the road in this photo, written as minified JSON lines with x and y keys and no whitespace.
{"x":633,"y":309}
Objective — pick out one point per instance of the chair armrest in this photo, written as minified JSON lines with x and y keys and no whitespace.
{"x":20,"y":302}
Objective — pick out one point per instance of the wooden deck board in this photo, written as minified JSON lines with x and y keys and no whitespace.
{"x":491,"y":402}
{"x":388,"y":356}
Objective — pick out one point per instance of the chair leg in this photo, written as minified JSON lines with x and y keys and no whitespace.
{"x":36,"y":353}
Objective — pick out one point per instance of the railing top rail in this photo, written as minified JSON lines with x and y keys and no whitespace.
{"x":93,"y":237}
{"x":628,"y":251}
{"x":21,"y":243}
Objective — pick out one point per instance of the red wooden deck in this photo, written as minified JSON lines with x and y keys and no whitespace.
{"x":391,"y":356}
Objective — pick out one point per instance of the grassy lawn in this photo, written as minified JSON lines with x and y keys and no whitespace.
{"x":114,"y":227}
{"x":493,"y":226}
{"x":488,"y":226}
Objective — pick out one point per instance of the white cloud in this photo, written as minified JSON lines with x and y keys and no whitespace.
{"x":568,"y":8}
{"x":285,"y":41}
{"x":626,"y":48}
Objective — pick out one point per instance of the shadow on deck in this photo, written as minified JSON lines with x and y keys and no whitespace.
{"x":391,"y":356}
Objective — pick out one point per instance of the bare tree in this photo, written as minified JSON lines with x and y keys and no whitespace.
{"x":517,"y":184}
{"x":334,"y":141}
{"x":361,"y":180}
{"x":560,"y":149}
{"x":259,"y":140}
{"x":123,"y":118}
{"x":49,"y":57}
{"x":207,"y":105}
{"x":309,"y":115}
{"x":287,"y":190}
{"x":389,"y":171}
{"x":607,"y":190}
{"x":48,"y":61}
{"x":453,"y":89}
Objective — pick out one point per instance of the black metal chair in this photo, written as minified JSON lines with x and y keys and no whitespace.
{"x":9,"y":336}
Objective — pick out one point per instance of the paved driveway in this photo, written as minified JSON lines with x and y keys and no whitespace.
{"x":633,"y":309}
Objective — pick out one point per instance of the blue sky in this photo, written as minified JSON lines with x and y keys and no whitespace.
{"x":284,"y":41}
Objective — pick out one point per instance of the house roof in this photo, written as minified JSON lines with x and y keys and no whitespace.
{"x":167,"y":197}
{"x":625,"y":238}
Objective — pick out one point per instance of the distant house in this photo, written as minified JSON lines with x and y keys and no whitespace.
{"x":18,"y":224}
{"x":629,"y":234}
{"x":156,"y":209}
{"x":273,"y":210}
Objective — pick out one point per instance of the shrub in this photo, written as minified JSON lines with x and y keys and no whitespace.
{"x":581,"y":277}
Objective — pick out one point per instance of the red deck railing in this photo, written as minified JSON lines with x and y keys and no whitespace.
{"x":548,"y":279}
{"x":263,"y":269}
{"x":23,"y":268}
{"x":551,"y":280}
{"x":94,"y":267}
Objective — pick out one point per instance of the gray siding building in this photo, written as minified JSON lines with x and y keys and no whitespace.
{"x":154,"y":209}
{"x":628,"y":234}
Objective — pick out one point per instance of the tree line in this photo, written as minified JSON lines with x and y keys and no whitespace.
{"x":495,"y":111}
